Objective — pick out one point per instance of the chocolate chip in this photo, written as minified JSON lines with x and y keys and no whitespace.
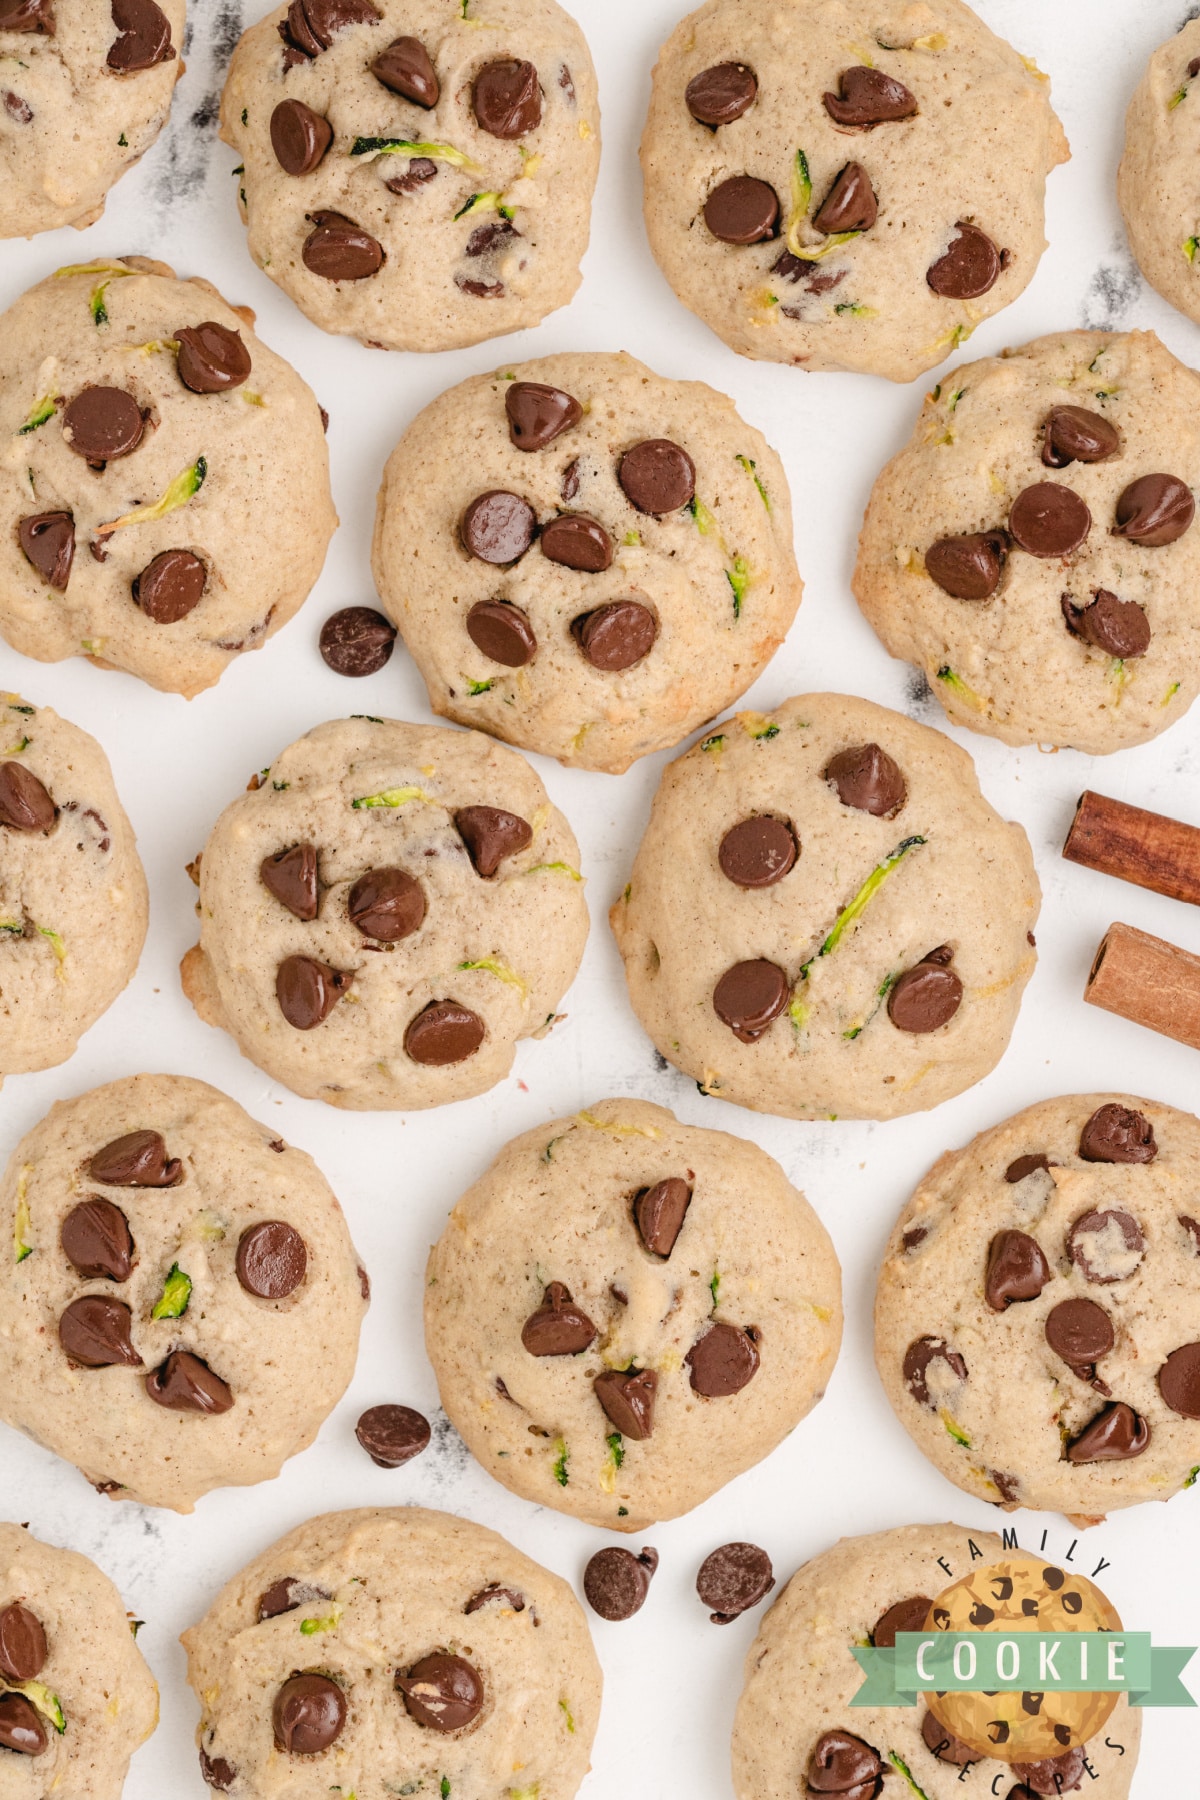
{"x":657,"y":476}
{"x":170,"y":586}
{"x":1114,"y":1435}
{"x":1192,"y":1227}
{"x":16,"y":108}
{"x":538,"y":414}
{"x":25,"y":804}
{"x":27,"y":15}
{"x":443,"y":1033}
{"x":616,"y":1581}
{"x":1114,"y":1260}
{"x":742,"y":210}
{"x":927,"y":996}
{"x":1016,"y":1269}
{"x":732,"y":1579}
{"x":217,"y":1771}
{"x":906,"y":1615}
{"x":21,"y":1728}
{"x":507,"y":98}
{"x":1117,"y":1134}
{"x":850,"y":204}
{"x":758,"y":852}
{"x":1118,"y":627}
{"x":558,"y":1327}
{"x":748,"y":996}
{"x":103,"y":423}
{"x":577,"y":542}
{"x":291,"y":875}
{"x":281,"y":1597}
{"x":212,"y":359}
{"x":271,"y":1259}
{"x":840,"y":1763}
{"x":386,"y":904}
{"x":968,"y":268}
{"x":420,"y":170}
{"x":498,"y":527}
{"x":920,"y":1354}
{"x":357,"y":640}
{"x":508,"y":1597}
{"x":1081,"y":1333}
{"x":627,"y":1397}
{"x":138,"y":1159}
{"x":405,"y":69}
{"x":570,"y":480}
{"x":719,"y":95}
{"x":502,"y":633}
{"x":659,"y":1212}
{"x":1075,"y":434}
{"x":1179,"y":1381}
{"x":392,"y":1435}
{"x":968,"y":567}
{"x":23,"y":1649}
{"x":485,"y":239}
{"x":299,"y":137}
{"x":867,"y":778}
{"x":916,"y":1234}
{"x":868,"y":97}
{"x":1052,"y":1775}
{"x":364,"y":1281}
{"x":48,"y":541}
{"x":144,"y":37}
{"x":97,"y":1241}
{"x":480,"y":290}
{"x":94,"y":1331}
{"x":308,"y":990}
{"x":185,"y":1383}
{"x":339,"y":250}
{"x":1048,"y":519}
{"x":308,"y":1714}
{"x":312,"y":25}
{"x":944,"y":1745}
{"x":1154,"y":510}
{"x":441,"y":1692}
{"x":616,"y":636}
{"x":490,"y":834}
{"x":723,"y":1360}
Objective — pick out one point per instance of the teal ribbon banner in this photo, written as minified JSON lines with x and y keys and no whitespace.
{"x":1038,"y":1662}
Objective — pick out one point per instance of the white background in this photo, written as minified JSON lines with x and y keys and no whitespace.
{"x":672,"y":1679}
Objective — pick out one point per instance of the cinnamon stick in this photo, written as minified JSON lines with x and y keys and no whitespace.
{"x":1135,"y":845}
{"x":1149,"y":981}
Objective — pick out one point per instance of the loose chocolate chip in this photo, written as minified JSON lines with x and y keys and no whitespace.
{"x":23,"y":1648}
{"x":312,"y":25}
{"x":392,"y":1435}
{"x":758,"y":852}
{"x":507,"y":98}
{"x":723,"y":1360}
{"x":1118,"y":627}
{"x":719,"y":95}
{"x":558,"y":1327}
{"x":1075,"y":434}
{"x":1052,"y":1775}
{"x":1154,"y":510}
{"x":616,"y":1581}
{"x":906,"y":1615}
{"x":339,"y":250}
{"x":490,"y":834}
{"x":748,"y":996}
{"x":386,"y":904}
{"x":94,"y":1331}
{"x":27,"y":15}
{"x":291,"y":875}
{"x":144,"y":37}
{"x":577,"y":542}
{"x":217,"y":1771}
{"x":308,"y":1714}
{"x":16,"y":108}
{"x":271,"y":1259}
{"x":21,"y":1728}
{"x":944,"y":1745}
{"x":968,"y":268}
{"x":138,"y":1159}
{"x":498,"y":527}
{"x":299,"y":137}
{"x":48,"y":541}
{"x":1016,"y":1269}
{"x":508,"y":1597}
{"x":357,"y":640}
{"x":184,"y":1383}
{"x":1081,"y":1333}
{"x":627,"y":1397}
{"x":732,"y":1579}
{"x":869,"y":97}
{"x":968,"y":567}
{"x":25,"y":804}
{"x":841,"y":1763}
{"x":308,"y":990}
{"x":616,"y":636}
{"x":1114,"y":1259}
{"x":659,"y":1212}
{"x":1117,"y":1134}
{"x":441,"y":1692}
{"x":103,"y":423}
{"x":502,"y":633}
{"x":920,"y":1354}
{"x":850,"y":204}
{"x":97,"y":1241}
{"x":742,"y":210}
{"x":170,"y":586}
{"x":1179,"y":1381}
{"x":927,"y":996}
{"x":1113,"y":1435}
{"x":538,"y":414}
{"x":1048,"y":519}
{"x":420,"y":170}
{"x":442,"y":1033}
{"x":867,"y":779}
{"x":657,"y":476}
{"x":405,"y":69}
{"x":212,"y":359}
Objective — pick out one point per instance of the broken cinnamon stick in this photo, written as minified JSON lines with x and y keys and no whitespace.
{"x":1135,"y":845}
{"x":1148,"y":981}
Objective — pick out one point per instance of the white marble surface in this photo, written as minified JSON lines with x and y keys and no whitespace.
{"x":672,"y":1678}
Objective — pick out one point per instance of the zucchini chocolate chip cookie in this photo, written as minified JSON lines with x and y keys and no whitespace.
{"x":399,"y":1643}
{"x":85,"y":88}
{"x":76,"y":1697}
{"x":1039,"y":1305}
{"x":180,"y":1305}
{"x":1033,"y":548}
{"x":73,"y":901}
{"x":385,"y":913}
{"x":825,"y":918}
{"x":1156,"y":184}
{"x":602,"y":563}
{"x":846,"y":185}
{"x":797,"y":1733}
{"x":416,"y":173}
{"x":625,"y":1312}
{"x":165,"y":488}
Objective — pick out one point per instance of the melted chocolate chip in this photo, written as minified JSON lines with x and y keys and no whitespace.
{"x":94,"y":1332}
{"x":659,"y":1212}
{"x":1048,"y":519}
{"x":1076,"y":434}
{"x":404,"y":68}
{"x":144,"y":37}
{"x":627,"y":1397}
{"x":968,"y":268}
{"x":498,"y":527}
{"x":170,"y":586}
{"x":577,"y":542}
{"x":138,"y":1159}
{"x":508,"y":1597}
{"x":841,"y":1763}
{"x":1117,"y":1134}
{"x":867,"y":779}
{"x":491,"y":237}
{"x":920,"y":1354}
{"x":732,"y":1579}
{"x":217,"y":1771}
{"x":25,"y":804}
{"x":558,"y":1327}
{"x":570,"y":480}
{"x":312,"y":25}
{"x":507,"y":98}
{"x":299,"y":137}
{"x":272,"y":1259}
{"x":185,"y":1383}
{"x":443,"y":1033}
{"x":308,"y":1714}
{"x":1154,"y":510}
{"x":211,"y":358}
{"x":657,"y":476}
{"x":1081,"y":1333}
{"x":502,"y":633}
{"x":490,"y":834}
{"x":719,"y":95}
{"x":479,"y":290}
{"x":758,"y":852}
{"x":538,"y":414}
{"x":1179,"y":1381}
{"x":927,"y":996}
{"x":392,"y":1435}
{"x":968,"y":567}
{"x":386,"y":905}
{"x":906,"y":1615}
{"x":102,"y":423}
{"x":48,"y":541}
{"x":742,"y":210}
{"x":441,"y":1692}
{"x":749,"y":996}
{"x":1192,"y":1227}
{"x":21,"y":1727}
{"x":337,"y":249}
{"x":1112,"y":1260}
{"x":291,"y":875}
{"x":1118,"y":627}
{"x":97,"y":1241}
{"x":944,"y":1745}
{"x":868,"y":97}
{"x":27,"y":16}
{"x":1016,"y":1269}
{"x":356,"y":641}
{"x":23,"y":1649}
{"x":283,"y":1596}
{"x":616,"y":1581}
{"x":1114,"y":1435}
{"x":308,"y":990}
{"x":420,"y":170}
{"x":616,"y":636}
{"x":850,"y":204}
{"x":723,"y":1360}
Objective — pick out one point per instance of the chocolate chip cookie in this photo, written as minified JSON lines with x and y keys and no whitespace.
{"x":386,"y":913}
{"x":846,"y":186}
{"x":1155,"y":184}
{"x":625,"y":1312}
{"x":609,"y":566}
{"x":1034,"y":549}
{"x":181,"y":1306}
{"x":416,"y":174}
{"x":165,"y":491}
{"x":825,"y":917}
{"x":85,"y":89}
{"x":398,"y":1640}
{"x":73,"y":902}
{"x":76,"y":1697}
{"x":1038,"y":1307}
